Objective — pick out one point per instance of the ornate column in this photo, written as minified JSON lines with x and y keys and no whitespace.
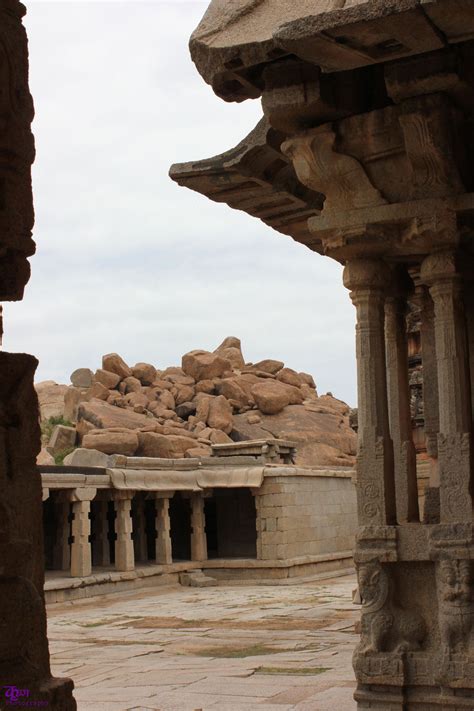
{"x":101,"y":550}
{"x":124,"y":554}
{"x":406,"y":490}
{"x":430,"y":380}
{"x":81,"y":553}
{"x":139,"y":529}
{"x":439,"y":272}
{"x":164,"y":554}
{"x":367,"y":280}
{"x":62,"y":546}
{"x":198,"y":528}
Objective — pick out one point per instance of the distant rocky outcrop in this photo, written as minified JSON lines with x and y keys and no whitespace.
{"x":213,"y":397}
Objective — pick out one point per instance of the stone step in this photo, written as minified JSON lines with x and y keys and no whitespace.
{"x":196,"y":579}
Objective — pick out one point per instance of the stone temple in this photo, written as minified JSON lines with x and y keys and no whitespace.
{"x":364,"y":154}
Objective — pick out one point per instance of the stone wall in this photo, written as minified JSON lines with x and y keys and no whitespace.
{"x":306,"y":515}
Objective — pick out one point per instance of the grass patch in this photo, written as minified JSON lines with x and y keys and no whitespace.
{"x":47,"y":427}
{"x":239,"y":652}
{"x":302,"y":671}
{"x":59,"y":457}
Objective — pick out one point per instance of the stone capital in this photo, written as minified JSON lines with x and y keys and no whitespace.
{"x":122,"y":494}
{"x":82,"y":494}
{"x":366,"y":274}
{"x":439,"y":267}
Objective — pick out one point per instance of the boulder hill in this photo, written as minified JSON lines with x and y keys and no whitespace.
{"x":181,"y":411}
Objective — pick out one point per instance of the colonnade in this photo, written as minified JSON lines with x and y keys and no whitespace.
{"x":75,"y":551}
{"x":387,"y":484}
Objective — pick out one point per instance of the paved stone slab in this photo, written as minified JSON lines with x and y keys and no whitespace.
{"x":219,"y":649}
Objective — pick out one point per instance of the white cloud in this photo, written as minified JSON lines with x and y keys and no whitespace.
{"x":127,"y":260}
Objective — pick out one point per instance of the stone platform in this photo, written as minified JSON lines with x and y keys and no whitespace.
{"x":216,"y":649}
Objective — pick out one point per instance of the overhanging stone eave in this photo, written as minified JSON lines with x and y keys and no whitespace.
{"x":256,"y":178}
{"x":336,"y":40}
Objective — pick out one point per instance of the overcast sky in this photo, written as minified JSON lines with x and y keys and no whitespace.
{"x":126,"y":260}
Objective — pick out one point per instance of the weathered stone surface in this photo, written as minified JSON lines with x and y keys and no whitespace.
{"x":51,"y":398}
{"x":220,"y":414}
{"x":98,"y":391}
{"x":308,"y":379}
{"x":102,"y":415}
{"x":72,"y":397}
{"x":145,"y":373}
{"x":185,"y":409}
{"x":132,"y":385}
{"x":86,"y":458}
{"x":268,"y":366}
{"x":82,"y":378}
{"x":322,"y":438}
{"x":112,"y":441}
{"x":289,"y":376}
{"x":62,"y":438}
{"x":44,"y":458}
{"x":201,"y":451}
{"x":167,"y":400}
{"x":137,"y":398}
{"x":115,"y":364}
{"x":206,"y":386}
{"x":272,"y":396}
{"x":184,"y":393}
{"x":169,"y":446}
{"x":107,"y":378}
{"x":231,"y":390}
{"x":202,"y":365}
{"x":231,"y":349}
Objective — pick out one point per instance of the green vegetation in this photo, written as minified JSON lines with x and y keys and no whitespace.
{"x":292,"y":670}
{"x":60,"y":456}
{"x":239,"y":652}
{"x":47,"y":427}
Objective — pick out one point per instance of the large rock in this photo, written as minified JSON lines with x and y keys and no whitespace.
{"x":72,"y":399}
{"x":44,"y":458}
{"x":231,"y":349}
{"x":112,"y":441}
{"x":51,"y":398}
{"x":105,"y":377}
{"x":184,"y":393}
{"x":269,"y":366}
{"x":202,"y":365}
{"x":153,"y":444}
{"x":290,"y":377}
{"x":103,"y":416}
{"x":82,"y":378}
{"x":132,"y":385}
{"x":62,"y":438}
{"x":98,"y":392}
{"x":86,"y":458}
{"x":272,"y":396}
{"x":230,"y":389}
{"x":145,"y":373}
{"x":115,"y":364}
{"x":324,"y":439}
{"x":220,"y":414}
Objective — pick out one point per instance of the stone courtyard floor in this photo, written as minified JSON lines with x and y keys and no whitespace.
{"x":227,"y":648}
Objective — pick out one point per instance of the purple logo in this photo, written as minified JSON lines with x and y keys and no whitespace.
{"x":20,"y":697}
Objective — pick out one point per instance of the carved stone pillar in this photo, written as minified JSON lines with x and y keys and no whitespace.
{"x":139,"y":530}
{"x":62,"y":546}
{"x":367,"y":281}
{"x":164,"y":554}
{"x":124,"y":554}
{"x":440,"y":273}
{"x":198,"y":528}
{"x":430,"y":380}
{"x":406,"y":489}
{"x":101,"y":550}
{"x":81,"y":553}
